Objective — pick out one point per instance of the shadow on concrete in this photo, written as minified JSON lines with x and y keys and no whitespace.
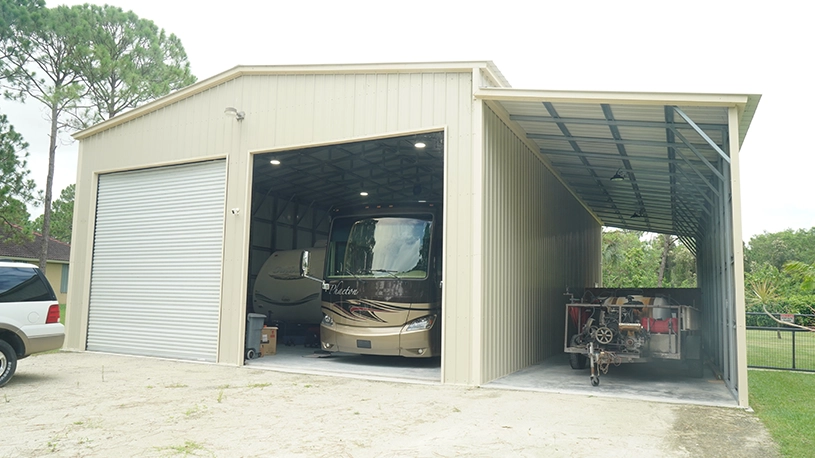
{"x":662,"y":381}
{"x":299,"y":359}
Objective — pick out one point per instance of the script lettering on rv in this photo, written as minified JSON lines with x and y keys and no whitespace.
{"x":340,"y":291}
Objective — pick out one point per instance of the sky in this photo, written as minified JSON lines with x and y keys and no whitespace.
{"x":712,"y":46}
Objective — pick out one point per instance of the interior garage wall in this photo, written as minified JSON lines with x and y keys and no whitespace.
{"x":539,"y":240}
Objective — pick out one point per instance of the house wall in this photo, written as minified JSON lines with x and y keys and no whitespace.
{"x":538,"y":240}
{"x":53,"y":271}
{"x":287,"y":111}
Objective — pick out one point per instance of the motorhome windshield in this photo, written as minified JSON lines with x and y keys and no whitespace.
{"x":380,"y":247}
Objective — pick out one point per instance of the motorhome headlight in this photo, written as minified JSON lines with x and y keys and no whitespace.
{"x":328,"y":321}
{"x":420,"y":324}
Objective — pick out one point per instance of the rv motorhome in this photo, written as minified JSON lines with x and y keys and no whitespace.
{"x":382,"y":280}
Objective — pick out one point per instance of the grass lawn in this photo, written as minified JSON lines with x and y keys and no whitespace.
{"x":764,"y":348}
{"x":62,"y":313}
{"x":783,"y":402}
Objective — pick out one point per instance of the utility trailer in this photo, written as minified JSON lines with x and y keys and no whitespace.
{"x":632,"y":326}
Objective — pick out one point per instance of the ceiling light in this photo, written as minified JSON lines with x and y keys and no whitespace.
{"x":363,"y":193}
{"x":639,"y":213}
{"x":618,"y":176}
{"x":274,"y":162}
{"x":420,"y":144}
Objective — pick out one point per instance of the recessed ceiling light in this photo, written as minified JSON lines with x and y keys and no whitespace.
{"x":419,"y":144}
{"x":363,"y":193}
{"x":274,"y":162}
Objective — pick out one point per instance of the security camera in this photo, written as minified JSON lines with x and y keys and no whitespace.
{"x":235,"y":211}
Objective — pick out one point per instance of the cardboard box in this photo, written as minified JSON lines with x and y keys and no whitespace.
{"x":268,"y":341}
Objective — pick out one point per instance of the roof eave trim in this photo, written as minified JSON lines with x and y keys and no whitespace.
{"x":620,"y":98}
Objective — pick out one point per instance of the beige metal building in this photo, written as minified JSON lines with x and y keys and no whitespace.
{"x":177,"y":205}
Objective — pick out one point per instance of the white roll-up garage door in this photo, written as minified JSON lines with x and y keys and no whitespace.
{"x":156,"y":274}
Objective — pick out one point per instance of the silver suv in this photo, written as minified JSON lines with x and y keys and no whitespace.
{"x":29,"y":316}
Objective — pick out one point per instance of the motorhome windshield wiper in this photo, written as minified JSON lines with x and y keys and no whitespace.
{"x":348,"y":272}
{"x":389,"y":272}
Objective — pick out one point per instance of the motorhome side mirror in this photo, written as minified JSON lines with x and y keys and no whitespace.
{"x":304,"y":263}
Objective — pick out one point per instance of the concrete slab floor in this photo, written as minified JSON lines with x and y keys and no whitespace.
{"x":661,"y":381}
{"x":299,"y":359}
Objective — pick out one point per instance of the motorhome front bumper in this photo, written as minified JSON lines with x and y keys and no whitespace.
{"x":378,"y":341}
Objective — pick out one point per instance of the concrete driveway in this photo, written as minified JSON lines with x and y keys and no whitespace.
{"x":90,"y":404}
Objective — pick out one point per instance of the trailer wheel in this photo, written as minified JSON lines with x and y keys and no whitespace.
{"x":577,"y":361}
{"x":595,"y":380}
{"x":251,"y":354}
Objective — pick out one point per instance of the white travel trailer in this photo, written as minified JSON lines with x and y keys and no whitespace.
{"x":282,"y":295}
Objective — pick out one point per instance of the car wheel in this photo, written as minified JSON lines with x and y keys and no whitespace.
{"x":8,"y":362}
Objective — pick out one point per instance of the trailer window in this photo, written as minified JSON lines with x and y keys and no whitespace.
{"x":396,"y":247}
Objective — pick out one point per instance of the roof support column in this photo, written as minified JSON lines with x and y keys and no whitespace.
{"x":738,"y":258}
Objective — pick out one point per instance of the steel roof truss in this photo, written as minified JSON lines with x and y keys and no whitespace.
{"x":606,"y":156}
{"x":565,"y":130}
{"x":702,"y":134}
{"x":570,"y":138}
{"x":604,"y":122}
{"x":698,"y":154}
{"x":698,"y":173}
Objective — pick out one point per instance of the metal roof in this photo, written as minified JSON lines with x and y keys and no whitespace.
{"x":668,"y":152}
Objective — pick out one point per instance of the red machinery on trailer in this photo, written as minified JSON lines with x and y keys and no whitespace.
{"x":611,"y":327}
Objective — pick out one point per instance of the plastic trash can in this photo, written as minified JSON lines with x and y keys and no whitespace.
{"x":254,"y":328}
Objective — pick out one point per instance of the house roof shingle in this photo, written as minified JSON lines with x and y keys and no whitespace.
{"x":30,"y":249}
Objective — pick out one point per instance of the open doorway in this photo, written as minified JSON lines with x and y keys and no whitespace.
{"x":296,"y":195}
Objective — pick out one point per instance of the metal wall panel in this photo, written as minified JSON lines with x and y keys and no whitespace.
{"x":721,"y":275}
{"x":287,"y":111}
{"x":156,"y":275}
{"x":538,"y":240}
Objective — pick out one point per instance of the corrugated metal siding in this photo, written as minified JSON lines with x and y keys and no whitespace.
{"x":538,"y":241}
{"x":717,"y":282}
{"x":283,"y":111}
{"x":156,"y":276}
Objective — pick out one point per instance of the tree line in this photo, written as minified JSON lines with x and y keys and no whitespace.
{"x":779,"y":268}
{"x":82,"y":64}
